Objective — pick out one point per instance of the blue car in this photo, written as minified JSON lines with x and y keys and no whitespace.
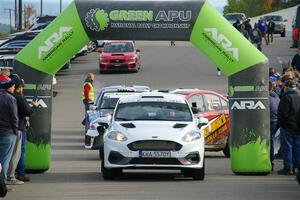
{"x":105,"y":104}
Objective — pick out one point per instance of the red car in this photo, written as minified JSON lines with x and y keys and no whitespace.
{"x":119,"y":56}
{"x":214,"y":107}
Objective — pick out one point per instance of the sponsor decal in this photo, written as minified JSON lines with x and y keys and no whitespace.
{"x":252,"y":88}
{"x":248,"y":105}
{"x":40,"y":102}
{"x":99,"y":20}
{"x":40,"y":87}
{"x":54,"y":42}
{"x":217,"y":129}
{"x":221,"y":43}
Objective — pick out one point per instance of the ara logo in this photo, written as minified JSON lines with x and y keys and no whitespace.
{"x":40,"y":103}
{"x":224,"y":41}
{"x":54,"y":39}
{"x":248,"y":105}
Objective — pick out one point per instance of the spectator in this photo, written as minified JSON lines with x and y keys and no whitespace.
{"x":296,"y":61}
{"x":24,"y":111}
{"x":8,"y":123}
{"x":3,"y":188}
{"x":237,"y":24}
{"x":88,"y":95}
{"x":5,"y":71}
{"x":273,"y":75}
{"x":288,"y":119}
{"x":256,"y":37}
{"x":248,"y":27}
{"x":270,"y":31}
{"x":262,"y":26}
{"x":274,"y":102}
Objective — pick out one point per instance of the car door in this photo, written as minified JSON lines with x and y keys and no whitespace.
{"x":216,"y":110}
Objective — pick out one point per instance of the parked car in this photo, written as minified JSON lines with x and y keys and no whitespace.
{"x":41,"y":22}
{"x":232,"y":17}
{"x":214,"y":107}
{"x":119,"y":56}
{"x":13,"y":45}
{"x":153,"y":131}
{"x":279,"y":24}
{"x":105,"y":104}
{"x":296,"y":28}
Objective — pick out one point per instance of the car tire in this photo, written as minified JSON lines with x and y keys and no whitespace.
{"x":196,"y":174}
{"x":283,"y":34}
{"x":110,"y":174}
{"x":226,"y":150}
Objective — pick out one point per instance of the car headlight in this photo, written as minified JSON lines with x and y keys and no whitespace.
{"x":191,"y":136}
{"x":117,"y":136}
{"x":132,"y":59}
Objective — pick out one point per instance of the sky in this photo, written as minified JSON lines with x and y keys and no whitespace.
{"x":51,"y":7}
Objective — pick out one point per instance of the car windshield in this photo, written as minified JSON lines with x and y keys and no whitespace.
{"x":234,"y":17}
{"x":15,"y":44}
{"x":115,"y":47}
{"x":110,"y":99}
{"x":275,"y":18}
{"x":149,"y":111}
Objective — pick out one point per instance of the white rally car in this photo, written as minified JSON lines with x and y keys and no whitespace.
{"x":153,"y":130}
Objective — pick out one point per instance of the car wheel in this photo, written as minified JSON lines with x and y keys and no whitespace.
{"x":226,"y":150}
{"x":283,"y":34}
{"x":196,"y":174}
{"x":110,"y":174}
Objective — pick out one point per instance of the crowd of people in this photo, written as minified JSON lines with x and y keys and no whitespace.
{"x":284,"y":96}
{"x":14,"y":119}
{"x":261,"y":30}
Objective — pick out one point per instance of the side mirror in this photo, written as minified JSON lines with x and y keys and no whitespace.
{"x":138,"y":50}
{"x":100,"y":50}
{"x":195,"y":110}
{"x":202,"y":122}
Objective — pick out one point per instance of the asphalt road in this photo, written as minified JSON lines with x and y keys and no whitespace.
{"x":75,"y":172}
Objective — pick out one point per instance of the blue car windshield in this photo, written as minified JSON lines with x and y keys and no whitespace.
{"x":149,"y":111}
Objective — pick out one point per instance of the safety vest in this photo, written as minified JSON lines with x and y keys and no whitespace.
{"x":91,"y":92}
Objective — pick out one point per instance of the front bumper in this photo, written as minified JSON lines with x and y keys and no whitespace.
{"x":127,"y":66}
{"x":118,"y":155}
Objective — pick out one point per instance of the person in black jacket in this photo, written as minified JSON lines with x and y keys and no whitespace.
{"x":270,"y":31}
{"x":289,"y":122}
{"x":296,"y":61}
{"x":24,"y":110}
{"x":8,"y":122}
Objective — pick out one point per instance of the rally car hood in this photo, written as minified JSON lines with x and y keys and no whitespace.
{"x":147,"y":130}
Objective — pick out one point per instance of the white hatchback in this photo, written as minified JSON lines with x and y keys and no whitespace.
{"x":153,"y":131}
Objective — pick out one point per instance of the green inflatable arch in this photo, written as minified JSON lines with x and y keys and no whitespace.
{"x":191,"y":20}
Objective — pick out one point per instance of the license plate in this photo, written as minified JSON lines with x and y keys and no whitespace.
{"x":117,"y":65}
{"x":154,"y":154}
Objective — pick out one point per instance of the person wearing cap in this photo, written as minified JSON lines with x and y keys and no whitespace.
{"x":8,"y":123}
{"x":296,"y":60}
{"x":88,"y":96}
{"x":24,"y":111}
{"x":289,"y":120}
